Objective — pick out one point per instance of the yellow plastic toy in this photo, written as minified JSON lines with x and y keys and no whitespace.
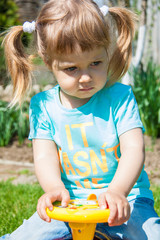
{"x":82,"y":215}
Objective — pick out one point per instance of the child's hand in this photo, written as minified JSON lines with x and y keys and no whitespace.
{"x":118,"y":205}
{"x":46,"y":200}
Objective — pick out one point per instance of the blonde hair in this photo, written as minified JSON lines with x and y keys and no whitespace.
{"x":65,"y":26}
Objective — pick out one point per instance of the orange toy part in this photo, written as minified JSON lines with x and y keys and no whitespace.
{"x":82,"y":215}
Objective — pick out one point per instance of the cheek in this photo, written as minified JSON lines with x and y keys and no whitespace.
{"x":101,"y":77}
{"x":67,"y":84}
{"x":101,"y":80}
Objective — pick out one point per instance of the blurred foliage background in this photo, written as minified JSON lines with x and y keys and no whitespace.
{"x":8,"y":17}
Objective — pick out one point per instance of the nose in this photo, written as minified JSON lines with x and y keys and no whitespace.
{"x":85,"y":77}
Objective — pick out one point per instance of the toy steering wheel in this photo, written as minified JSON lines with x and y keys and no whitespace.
{"x":82,"y":215}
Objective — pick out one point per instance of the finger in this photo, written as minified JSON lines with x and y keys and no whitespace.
{"x":127,"y":212}
{"x":123,"y":214}
{"x":44,"y":215}
{"x":120,"y":215}
{"x":41,"y":210}
{"x":49,"y":203}
{"x":102,"y":201}
{"x":65,"y":198}
{"x":113,"y":213}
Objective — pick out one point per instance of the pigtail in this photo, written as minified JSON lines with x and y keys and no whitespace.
{"x":18,"y":64}
{"x":121,"y":57}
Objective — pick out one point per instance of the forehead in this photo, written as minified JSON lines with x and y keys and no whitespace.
{"x":81,"y":57}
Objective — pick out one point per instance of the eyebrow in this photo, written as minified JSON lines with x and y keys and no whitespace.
{"x":66,"y":64}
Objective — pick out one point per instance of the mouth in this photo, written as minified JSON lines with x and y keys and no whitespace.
{"x":86,"y":89}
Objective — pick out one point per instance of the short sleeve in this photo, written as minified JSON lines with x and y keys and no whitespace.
{"x":126,"y":112}
{"x":40,"y":124}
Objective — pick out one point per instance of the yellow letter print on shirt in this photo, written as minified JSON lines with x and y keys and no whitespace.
{"x":90,"y":166}
{"x":82,"y":127}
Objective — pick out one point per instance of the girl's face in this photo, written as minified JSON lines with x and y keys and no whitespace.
{"x":80,"y":76}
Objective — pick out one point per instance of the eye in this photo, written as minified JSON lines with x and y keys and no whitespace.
{"x":70,"y":69}
{"x":96,"y":63}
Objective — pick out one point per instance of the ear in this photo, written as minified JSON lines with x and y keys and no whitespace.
{"x":48,"y":63}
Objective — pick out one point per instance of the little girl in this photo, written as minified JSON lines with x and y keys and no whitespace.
{"x":86,"y":131}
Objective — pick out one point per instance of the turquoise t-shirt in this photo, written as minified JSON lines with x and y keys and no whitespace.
{"x":87,"y":137}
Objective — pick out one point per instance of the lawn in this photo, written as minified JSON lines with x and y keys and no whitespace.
{"x":19,"y":202}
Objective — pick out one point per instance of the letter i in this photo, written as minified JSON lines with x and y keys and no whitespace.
{"x":69,"y":137}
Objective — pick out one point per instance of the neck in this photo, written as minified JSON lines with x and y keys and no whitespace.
{"x":71,"y":102}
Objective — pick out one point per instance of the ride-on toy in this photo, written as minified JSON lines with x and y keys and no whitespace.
{"x":82,"y":215}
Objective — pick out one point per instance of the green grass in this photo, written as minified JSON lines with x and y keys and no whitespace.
{"x":19,"y":202}
{"x":156,"y":194}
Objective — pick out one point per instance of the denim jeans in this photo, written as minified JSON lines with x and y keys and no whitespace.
{"x":144,"y":224}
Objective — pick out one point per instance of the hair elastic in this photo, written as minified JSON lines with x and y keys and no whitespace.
{"x":104,"y":10}
{"x":29,"y":27}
